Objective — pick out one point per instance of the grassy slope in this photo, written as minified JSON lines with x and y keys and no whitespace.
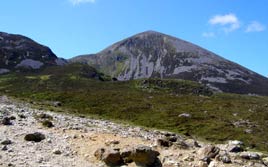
{"x":154,"y":104}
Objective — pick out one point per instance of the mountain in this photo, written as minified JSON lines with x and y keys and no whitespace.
{"x":155,"y":55}
{"x":18,"y":52}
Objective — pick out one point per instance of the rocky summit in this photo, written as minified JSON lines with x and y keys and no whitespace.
{"x":18,"y":52}
{"x":155,"y":55}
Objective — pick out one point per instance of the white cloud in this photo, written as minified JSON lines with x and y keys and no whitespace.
{"x":228,"y":22}
{"x":255,"y":27}
{"x":208,"y":34}
{"x":77,"y":2}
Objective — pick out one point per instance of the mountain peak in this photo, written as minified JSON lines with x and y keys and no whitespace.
{"x":151,"y":54}
{"x":151,"y":32}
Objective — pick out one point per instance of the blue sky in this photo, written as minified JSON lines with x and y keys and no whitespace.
{"x":234,"y":29}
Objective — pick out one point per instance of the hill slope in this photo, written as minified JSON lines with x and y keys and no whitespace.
{"x":17,"y":51}
{"x":156,"y":55}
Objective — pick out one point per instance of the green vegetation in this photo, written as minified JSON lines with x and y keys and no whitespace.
{"x":150,"y":103}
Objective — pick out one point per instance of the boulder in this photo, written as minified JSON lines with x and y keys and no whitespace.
{"x":208,"y":151}
{"x":144,"y":156}
{"x":36,"y":137}
{"x":111,"y":157}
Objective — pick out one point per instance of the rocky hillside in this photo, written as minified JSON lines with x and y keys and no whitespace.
{"x":19,"y":52}
{"x":30,"y":137}
{"x":156,"y":55}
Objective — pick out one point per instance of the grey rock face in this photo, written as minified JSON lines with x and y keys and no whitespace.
{"x":156,"y":55}
{"x":17,"y":51}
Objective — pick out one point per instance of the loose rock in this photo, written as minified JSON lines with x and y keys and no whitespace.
{"x":208,"y":151}
{"x":6,"y":142}
{"x":250,"y":156}
{"x":6,"y":121}
{"x":144,"y":156}
{"x":110,"y":157}
{"x":36,"y":137}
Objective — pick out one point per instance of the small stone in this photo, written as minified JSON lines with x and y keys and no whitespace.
{"x":11,"y":165}
{"x":235,"y":148}
{"x":6,"y":142}
{"x":225,"y":158}
{"x":12,"y":118}
{"x":111,"y":142}
{"x":57,"y":152}
{"x":185,"y":115}
{"x":49,"y":140}
{"x":163,"y":143}
{"x":4,"y":148}
{"x":57,"y":104}
{"x":6,"y":121}
{"x":235,"y":142}
{"x":44,"y":116}
{"x":47,"y":124}
{"x":22,"y":116}
{"x":99,"y":153}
